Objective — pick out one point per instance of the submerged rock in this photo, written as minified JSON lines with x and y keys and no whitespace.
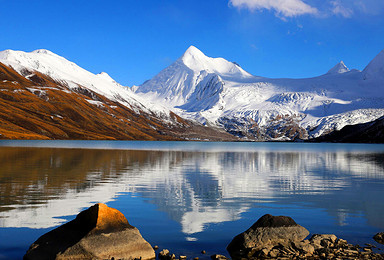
{"x":218,"y":257}
{"x":164,"y":254}
{"x":269,"y":231}
{"x":379,"y":237}
{"x":99,"y":232}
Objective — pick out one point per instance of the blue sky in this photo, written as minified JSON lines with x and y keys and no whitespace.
{"x":133,"y":40}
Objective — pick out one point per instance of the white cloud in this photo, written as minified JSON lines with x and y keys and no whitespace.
{"x":284,"y":8}
{"x":339,"y":9}
{"x":321,"y":9}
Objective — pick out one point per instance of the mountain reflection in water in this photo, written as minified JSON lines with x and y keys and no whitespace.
{"x":41,"y":187}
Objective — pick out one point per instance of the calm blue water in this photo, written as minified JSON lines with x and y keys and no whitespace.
{"x":190,"y":196}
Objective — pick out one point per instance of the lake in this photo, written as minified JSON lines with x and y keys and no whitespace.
{"x":190,"y":196}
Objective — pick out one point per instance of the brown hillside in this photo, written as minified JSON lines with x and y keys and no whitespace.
{"x":34,"y":106}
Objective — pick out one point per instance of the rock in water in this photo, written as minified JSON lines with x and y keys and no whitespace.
{"x":379,"y":237}
{"x":99,"y":232}
{"x":267,"y":232}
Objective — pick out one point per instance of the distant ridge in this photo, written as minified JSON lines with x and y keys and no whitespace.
{"x":338,"y":68}
{"x":371,"y":132}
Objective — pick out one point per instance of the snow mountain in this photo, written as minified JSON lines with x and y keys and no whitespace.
{"x":178,"y":82}
{"x":68,"y":73}
{"x":338,"y":68}
{"x":220,"y":93}
{"x":45,"y":96}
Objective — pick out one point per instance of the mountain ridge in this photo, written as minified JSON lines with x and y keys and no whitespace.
{"x":201,"y":94}
{"x":375,"y":67}
{"x":39,"y":101}
{"x":338,"y":68}
{"x":241,"y":105}
{"x":196,"y":60}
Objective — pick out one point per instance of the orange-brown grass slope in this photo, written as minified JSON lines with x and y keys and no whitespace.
{"x":37,"y":107}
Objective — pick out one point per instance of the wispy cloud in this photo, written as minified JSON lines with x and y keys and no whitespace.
{"x":370,"y":7}
{"x":321,"y":9}
{"x":284,"y":8}
{"x":339,"y":9}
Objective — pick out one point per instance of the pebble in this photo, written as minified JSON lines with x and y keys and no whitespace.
{"x":322,"y":246}
{"x":218,"y":257}
{"x":164,"y":254}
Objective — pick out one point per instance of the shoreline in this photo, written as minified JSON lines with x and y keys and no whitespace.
{"x":347,"y":251}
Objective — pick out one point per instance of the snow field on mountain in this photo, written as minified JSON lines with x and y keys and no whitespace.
{"x":210,"y":89}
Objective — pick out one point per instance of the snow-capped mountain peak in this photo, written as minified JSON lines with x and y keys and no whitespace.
{"x":4,"y":54}
{"x":20,"y":57}
{"x":338,"y":68}
{"x":40,"y":60}
{"x":375,"y":69}
{"x":178,"y":82}
{"x":193,"y":53}
{"x":69,"y":73}
{"x":197,"y":61}
{"x":44,"y":51}
{"x":105,"y":76}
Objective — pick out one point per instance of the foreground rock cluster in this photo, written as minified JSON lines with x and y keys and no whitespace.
{"x":280,"y":237}
{"x":317,"y":247}
{"x":101,"y":232}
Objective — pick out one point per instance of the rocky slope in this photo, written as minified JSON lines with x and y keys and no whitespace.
{"x":217,"y":92}
{"x":372,"y":132}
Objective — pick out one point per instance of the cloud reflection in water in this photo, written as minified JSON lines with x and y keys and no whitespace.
{"x":41,"y":186}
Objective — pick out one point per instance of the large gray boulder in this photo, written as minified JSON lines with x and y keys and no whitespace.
{"x":269,"y":231}
{"x":99,"y":232}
